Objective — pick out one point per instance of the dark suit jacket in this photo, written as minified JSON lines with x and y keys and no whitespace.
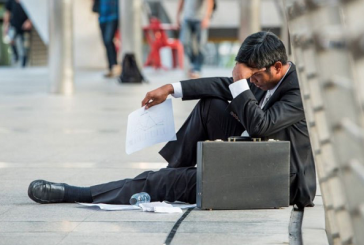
{"x":281,"y":118}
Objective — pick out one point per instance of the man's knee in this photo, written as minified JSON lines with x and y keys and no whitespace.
{"x":213,"y":104}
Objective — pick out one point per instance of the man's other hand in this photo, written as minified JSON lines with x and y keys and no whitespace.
{"x":27,"y":25}
{"x":242,"y":71}
{"x":205,"y":23}
{"x":157,"y":96}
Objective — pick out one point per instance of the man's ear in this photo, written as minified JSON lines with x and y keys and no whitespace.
{"x":278,"y":67}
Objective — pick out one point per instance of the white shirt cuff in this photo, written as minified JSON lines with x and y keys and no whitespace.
{"x":177,"y":87}
{"x":238,"y":87}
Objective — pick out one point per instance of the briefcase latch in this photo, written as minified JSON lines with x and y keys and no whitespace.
{"x":243,"y":138}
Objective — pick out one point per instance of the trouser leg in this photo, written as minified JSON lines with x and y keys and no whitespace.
{"x":25,"y":45}
{"x":199,"y":40}
{"x":15,"y":52}
{"x":209,"y":120}
{"x":108,"y":31}
{"x":166,"y":184}
{"x":111,"y":44}
{"x":185,"y":38}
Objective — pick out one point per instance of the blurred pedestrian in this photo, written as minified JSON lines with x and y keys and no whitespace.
{"x":194,"y":30}
{"x":109,"y":21}
{"x":17,"y":27}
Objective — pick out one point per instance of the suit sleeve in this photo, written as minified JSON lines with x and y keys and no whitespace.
{"x":285,"y":112}
{"x":217,"y":87}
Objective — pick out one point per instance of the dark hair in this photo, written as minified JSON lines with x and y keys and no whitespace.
{"x":262,"y":49}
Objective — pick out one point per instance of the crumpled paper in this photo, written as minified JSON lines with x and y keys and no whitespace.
{"x":159,"y":207}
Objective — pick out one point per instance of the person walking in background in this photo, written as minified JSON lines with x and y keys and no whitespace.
{"x":109,"y":20}
{"x":17,"y":27}
{"x":194,"y":30}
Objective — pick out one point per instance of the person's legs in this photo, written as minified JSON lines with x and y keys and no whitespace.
{"x":111,"y":31}
{"x":108,"y":30}
{"x":15,"y":52}
{"x":185,"y":38}
{"x":209,"y":120}
{"x":167,"y":184}
{"x":195,"y":35}
{"x":25,"y":46}
{"x":42,"y":191}
{"x":200,"y":42}
{"x":12,"y":33}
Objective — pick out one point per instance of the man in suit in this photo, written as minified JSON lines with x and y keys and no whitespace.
{"x":265,"y":102}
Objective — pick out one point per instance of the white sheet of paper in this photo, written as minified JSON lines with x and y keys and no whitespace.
{"x":152,"y":205}
{"x":149,"y":127}
{"x":111,"y":207}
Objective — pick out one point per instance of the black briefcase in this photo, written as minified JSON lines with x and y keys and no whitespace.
{"x":243,"y":174}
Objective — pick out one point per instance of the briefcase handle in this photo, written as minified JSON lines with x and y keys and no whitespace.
{"x":243,"y":138}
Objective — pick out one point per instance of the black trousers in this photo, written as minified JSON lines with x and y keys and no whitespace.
{"x":209,"y":120}
{"x":108,"y":30}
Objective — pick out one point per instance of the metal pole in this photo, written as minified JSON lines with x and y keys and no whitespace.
{"x":281,"y":4}
{"x":249,"y":18}
{"x":131,"y":28}
{"x":61,"y":46}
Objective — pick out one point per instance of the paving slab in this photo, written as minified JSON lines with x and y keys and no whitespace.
{"x":29,"y":238}
{"x":313,"y":224}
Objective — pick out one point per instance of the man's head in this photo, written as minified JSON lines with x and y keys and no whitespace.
{"x":265,"y":55}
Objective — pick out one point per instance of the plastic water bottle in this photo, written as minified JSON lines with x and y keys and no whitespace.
{"x":139,"y":198}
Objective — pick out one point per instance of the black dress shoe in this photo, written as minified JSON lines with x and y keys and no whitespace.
{"x":42,"y":191}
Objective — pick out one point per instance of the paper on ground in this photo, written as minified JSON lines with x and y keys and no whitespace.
{"x":110,"y":207}
{"x":160,"y":207}
{"x":149,"y":127}
{"x":149,"y":206}
{"x":152,"y":205}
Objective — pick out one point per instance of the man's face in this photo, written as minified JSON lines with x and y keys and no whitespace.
{"x":264,"y":80}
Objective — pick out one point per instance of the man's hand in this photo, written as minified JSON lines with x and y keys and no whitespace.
{"x":205,"y":23}
{"x":6,"y":20}
{"x":157,"y":96}
{"x":27,"y":25}
{"x":242,"y":71}
{"x":5,"y":29}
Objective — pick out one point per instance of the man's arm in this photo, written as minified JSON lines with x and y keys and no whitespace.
{"x":285,"y":112}
{"x":209,"y":8}
{"x":179,"y":11}
{"x":217,"y":87}
{"x":6,"y":19}
{"x":7,"y":16}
